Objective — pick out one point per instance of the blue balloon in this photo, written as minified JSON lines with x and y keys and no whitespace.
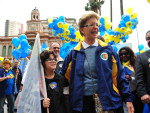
{"x":21,"y":37}
{"x":16,"y":41}
{"x":44,"y":45}
{"x":137,"y":53}
{"x":25,"y":53}
{"x":134,"y":22}
{"x":61,"y":38}
{"x":59,"y":30}
{"x":102,"y":33}
{"x":102,"y":21}
{"x":16,"y":54}
{"x":133,"y":27}
{"x":55,"y":21}
{"x":111,"y":43}
{"x":111,"y":32}
{"x":24,"y":44}
{"x":122,"y":24}
{"x":73,"y":36}
{"x":141,"y":47}
{"x":55,"y":27}
{"x":126,"y":18}
{"x":72,"y":29}
{"x":61,"y":19}
{"x":50,"y":25}
{"x":102,"y":28}
{"x":116,"y":33}
{"x":66,"y":47}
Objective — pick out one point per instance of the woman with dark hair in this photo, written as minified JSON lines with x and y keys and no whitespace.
{"x":54,"y":84}
{"x":128,"y":58}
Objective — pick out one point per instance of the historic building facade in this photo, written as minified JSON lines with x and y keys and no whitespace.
{"x":34,"y":26}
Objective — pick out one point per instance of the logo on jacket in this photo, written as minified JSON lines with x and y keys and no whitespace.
{"x":104,"y":56}
{"x":53,"y":85}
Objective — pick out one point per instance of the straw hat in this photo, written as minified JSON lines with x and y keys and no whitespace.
{"x":6,"y":61}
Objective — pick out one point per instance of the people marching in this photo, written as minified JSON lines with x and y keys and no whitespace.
{"x":93,"y":78}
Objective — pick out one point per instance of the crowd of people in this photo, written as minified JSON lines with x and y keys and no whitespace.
{"x":93,"y":78}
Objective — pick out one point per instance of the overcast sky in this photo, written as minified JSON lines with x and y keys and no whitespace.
{"x":20,"y":11}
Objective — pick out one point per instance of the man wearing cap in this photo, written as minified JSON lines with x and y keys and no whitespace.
{"x":6,"y":86}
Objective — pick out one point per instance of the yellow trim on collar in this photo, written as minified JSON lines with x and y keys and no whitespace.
{"x":79,"y":45}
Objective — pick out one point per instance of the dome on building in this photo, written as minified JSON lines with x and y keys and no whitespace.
{"x":35,"y":11}
{"x":35,"y":14}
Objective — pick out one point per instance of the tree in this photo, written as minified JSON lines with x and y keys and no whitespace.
{"x":94,"y":5}
{"x":121,"y":7}
{"x":111,"y":18}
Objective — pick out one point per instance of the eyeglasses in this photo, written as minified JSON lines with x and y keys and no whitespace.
{"x":121,"y":54}
{"x":6,"y":63}
{"x":51,"y":60}
{"x":56,"y":48}
{"x":147,"y":38}
{"x":91,"y":25}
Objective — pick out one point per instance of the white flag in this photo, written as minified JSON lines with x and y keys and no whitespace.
{"x":34,"y":83}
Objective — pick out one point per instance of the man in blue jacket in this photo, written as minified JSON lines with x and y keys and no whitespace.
{"x":6,"y":86}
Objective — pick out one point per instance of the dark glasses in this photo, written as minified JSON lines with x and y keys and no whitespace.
{"x":121,"y":54}
{"x":51,"y":60}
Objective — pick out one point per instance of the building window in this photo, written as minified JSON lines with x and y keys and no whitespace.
{"x":4,"y":51}
{"x":10,"y":51}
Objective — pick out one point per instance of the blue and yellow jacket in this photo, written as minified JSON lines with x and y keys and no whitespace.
{"x":112,"y":85}
{"x":6,"y":86}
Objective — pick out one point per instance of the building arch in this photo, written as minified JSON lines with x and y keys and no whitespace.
{"x":9,"y":51}
{"x":4,"y":51}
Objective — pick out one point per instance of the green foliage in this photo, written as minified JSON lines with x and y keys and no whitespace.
{"x":92,"y":4}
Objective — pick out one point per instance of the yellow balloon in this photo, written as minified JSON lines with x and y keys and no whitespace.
{"x":118,"y":29}
{"x":129,"y":11}
{"x":134,"y":15}
{"x":142,"y":51}
{"x":128,"y":24}
{"x":106,"y":40}
{"x":67,"y":32}
{"x":106,"y":18}
{"x":66,"y":26}
{"x":148,"y":1}
{"x":116,"y":40}
{"x":110,"y":37}
{"x":60,"y":24}
{"x":128,"y":31}
{"x":50,"y":20}
{"x":108,"y":25}
{"x":123,"y":29}
{"x":1,"y":58}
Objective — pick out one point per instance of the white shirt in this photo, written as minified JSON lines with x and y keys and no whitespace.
{"x":85,"y":45}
